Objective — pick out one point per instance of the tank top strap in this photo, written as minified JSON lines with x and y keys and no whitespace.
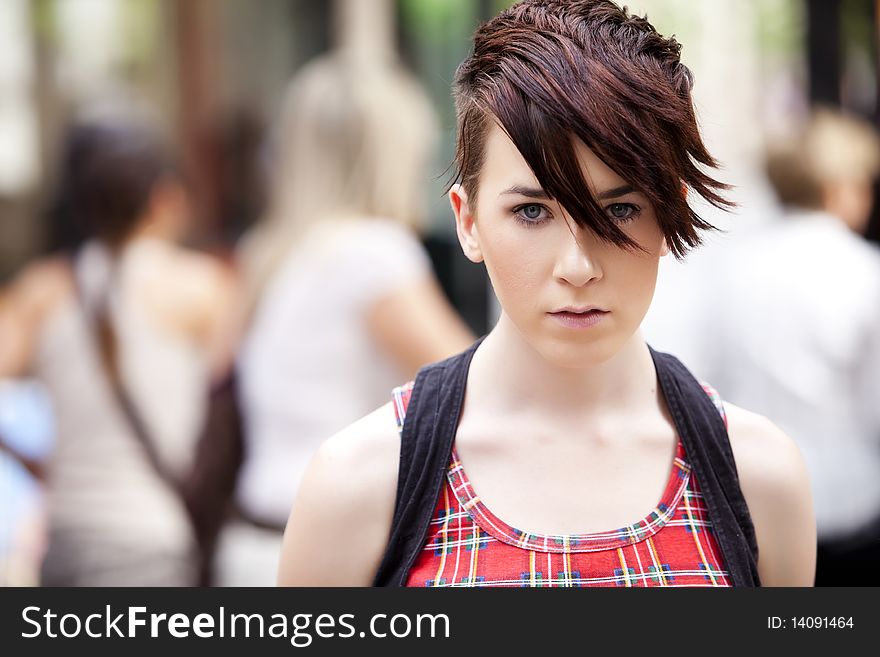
{"x":716,"y":399}
{"x":702,"y":428}
{"x":432,"y":411}
{"x":400,"y":397}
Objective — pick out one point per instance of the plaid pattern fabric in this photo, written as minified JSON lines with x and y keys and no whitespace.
{"x":467,"y":545}
{"x":713,"y":395}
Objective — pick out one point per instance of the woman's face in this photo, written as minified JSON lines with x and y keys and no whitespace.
{"x":574,"y":297}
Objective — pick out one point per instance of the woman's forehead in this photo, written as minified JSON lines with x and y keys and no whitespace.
{"x":504,"y":167}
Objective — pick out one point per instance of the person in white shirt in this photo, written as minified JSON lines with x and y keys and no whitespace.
{"x":796,"y":334}
{"x":344,"y":301}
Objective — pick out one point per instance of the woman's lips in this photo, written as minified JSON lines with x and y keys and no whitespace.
{"x":579,"y":320}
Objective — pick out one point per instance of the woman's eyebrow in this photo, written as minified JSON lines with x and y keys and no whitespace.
{"x":530,"y":192}
{"x":539,"y":193}
{"x":623,"y":190}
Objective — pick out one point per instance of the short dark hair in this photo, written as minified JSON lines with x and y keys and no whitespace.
{"x":551,"y":70}
{"x":109,"y":170}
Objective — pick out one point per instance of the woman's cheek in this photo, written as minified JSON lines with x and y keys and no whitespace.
{"x":514,"y":274}
{"x":647,"y":234}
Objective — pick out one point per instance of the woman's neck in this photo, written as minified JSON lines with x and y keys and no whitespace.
{"x":507,"y":374}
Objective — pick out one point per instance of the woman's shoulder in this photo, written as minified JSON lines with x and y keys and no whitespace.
{"x":187,"y":290}
{"x":348,"y":491}
{"x":40,"y":287}
{"x":386,"y":242}
{"x":765,"y":455}
{"x":200,"y":277}
{"x":366,"y":450}
{"x":25,"y":307}
{"x":378,"y":229}
{"x":354,"y":472}
{"x":776,"y":487}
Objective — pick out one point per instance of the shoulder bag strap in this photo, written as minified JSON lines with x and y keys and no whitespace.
{"x":100,"y":326}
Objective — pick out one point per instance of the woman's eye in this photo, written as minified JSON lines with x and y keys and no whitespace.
{"x":532,"y":213}
{"x":622,"y":211}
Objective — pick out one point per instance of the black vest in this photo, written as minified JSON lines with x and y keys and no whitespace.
{"x":429,"y":433}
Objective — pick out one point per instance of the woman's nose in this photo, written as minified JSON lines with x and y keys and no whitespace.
{"x":576,"y":262}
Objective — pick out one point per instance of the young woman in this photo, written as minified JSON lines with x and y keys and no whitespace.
{"x":538,"y":456}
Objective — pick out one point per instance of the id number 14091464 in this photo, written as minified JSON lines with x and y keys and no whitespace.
{"x":809,"y":622}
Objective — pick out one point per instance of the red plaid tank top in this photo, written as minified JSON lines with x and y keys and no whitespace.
{"x":467,"y":545}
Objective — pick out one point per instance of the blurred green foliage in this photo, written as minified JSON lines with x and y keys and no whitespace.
{"x":43,"y":17}
{"x":858,"y":30}
{"x":780,"y":26}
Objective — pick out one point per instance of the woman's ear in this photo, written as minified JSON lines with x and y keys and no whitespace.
{"x":664,"y":248}
{"x":465,"y":224}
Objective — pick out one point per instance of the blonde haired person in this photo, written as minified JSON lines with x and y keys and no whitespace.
{"x":343,"y":299}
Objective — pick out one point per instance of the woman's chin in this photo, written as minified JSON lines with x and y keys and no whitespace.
{"x":575,"y":355}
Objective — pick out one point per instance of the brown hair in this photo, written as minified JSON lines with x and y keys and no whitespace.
{"x":109,"y":171}
{"x":551,"y":70}
{"x":791,"y":177}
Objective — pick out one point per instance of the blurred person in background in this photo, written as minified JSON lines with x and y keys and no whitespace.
{"x":129,"y":310}
{"x":344,"y":300}
{"x":796,"y":334}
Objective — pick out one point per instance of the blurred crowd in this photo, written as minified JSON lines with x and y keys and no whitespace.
{"x":330,"y":303}
{"x":121,"y":353}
